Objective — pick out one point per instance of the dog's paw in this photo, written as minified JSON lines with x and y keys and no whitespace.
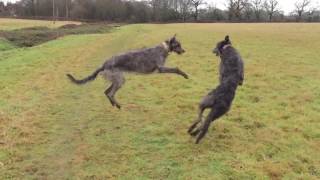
{"x":111,"y":101}
{"x":185,"y":76}
{"x":118,"y":106}
{"x":191,"y":128}
{"x":197,"y":141}
{"x":195,"y":133}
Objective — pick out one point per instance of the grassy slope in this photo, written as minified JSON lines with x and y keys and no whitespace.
{"x":10,"y":24}
{"x":5,"y":44}
{"x":50,"y":128}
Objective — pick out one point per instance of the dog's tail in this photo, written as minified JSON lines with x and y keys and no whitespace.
{"x":87,"y":79}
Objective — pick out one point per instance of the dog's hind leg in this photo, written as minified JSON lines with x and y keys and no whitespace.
{"x":117,"y":79}
{"x":197,"y":121}
{"x":207,"y":102}
{"x":204,"y":130}
{"x":112,"y":93}
{"x":106,"y":92}
{"x":212,"y":116}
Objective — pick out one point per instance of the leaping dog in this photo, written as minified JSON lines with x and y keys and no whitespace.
{"x":220,"y":99}
{"x":143,"y":61}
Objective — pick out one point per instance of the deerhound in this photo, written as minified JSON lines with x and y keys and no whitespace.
{"x":143,"y":61}
{"x":220,"y":99}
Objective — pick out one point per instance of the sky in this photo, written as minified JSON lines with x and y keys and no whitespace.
{"x":286,"y":5}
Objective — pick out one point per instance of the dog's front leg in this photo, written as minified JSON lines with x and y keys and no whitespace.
{"x":172,"y":70}
{"x":241,"y":73}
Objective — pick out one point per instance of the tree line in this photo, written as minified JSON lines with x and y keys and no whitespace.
{"x":161,"y":10}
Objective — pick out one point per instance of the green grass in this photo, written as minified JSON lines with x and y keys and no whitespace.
{"x":52,"y":129}
{"x":5,"y":45}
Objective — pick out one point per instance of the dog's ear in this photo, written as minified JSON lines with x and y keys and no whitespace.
{"x":227,"y":39}
{"x":173,"y":38}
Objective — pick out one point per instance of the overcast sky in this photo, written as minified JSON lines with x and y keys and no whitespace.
{"x":286,"y":5}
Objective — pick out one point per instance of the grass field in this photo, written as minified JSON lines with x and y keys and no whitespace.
{"x":52,"y":129}
{"x":11,"y":24}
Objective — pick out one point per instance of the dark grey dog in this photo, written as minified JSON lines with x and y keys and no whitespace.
{"x":144,"y":61}
{"x":220,"y":99}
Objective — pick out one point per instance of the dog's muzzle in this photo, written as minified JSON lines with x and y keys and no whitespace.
{"x":181,"y":51}
{"x":216,"y":52}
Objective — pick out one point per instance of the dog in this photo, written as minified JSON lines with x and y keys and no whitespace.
{"x":143,"y":61}
{"x":220,"y":99}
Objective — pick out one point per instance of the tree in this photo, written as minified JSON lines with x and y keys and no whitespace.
{"x":155,"y":5}
{"x":196,"y":4}
{"x":300,"y":8}
{"x":2,"y":8}
{"x":159,"y":10}
{"x":67,"y":6}
{"x":26,"y":7}
{"x":257,"y":7}
{"x":141,"y":11}
{"x":84,"y":9}
{"x":32,"y":7}
{"x":247,"y":10}
{"x":10,"y":9}
{"x":231,"y":10}
{"x":235,"y":8}
{"x":184,"y":8}
{"x":271,"y":7}
{"x":214,"y":13}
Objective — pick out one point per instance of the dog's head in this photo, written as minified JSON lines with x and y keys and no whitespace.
{"x":174,"y":45}
{"x":221,"y":45}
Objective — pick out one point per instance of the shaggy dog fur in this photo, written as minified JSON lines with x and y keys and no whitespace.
{"x":220,"y":99}
{"x":143,"y":61}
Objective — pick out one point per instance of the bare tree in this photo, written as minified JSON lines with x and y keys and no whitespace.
{"x":174,"y":4}
{"x":235,"y":8}
{"x":310,"y":14}
{"x":156,"y":5}
{"x":230,"y":6}
{"x":68,"y":2}
{"x":160,"y":10}
{"x":300,"y":8}
{"x":257,"y":6}
{"x":184,"y":8}
{"x":196,"y":4}
{"x":247,"y":9}
{"x":239,"y":6}
{"x":271,"y":7}
{"x":53,"y":11}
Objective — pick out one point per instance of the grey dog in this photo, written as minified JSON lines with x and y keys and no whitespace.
{"x":143,"y":61}
{"x":220,"y":99}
